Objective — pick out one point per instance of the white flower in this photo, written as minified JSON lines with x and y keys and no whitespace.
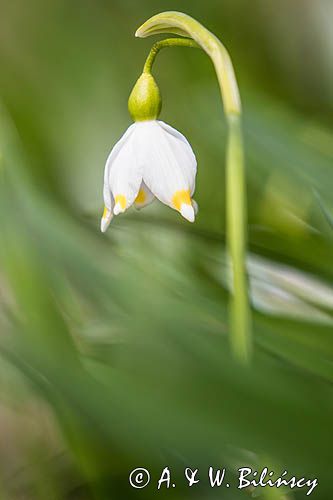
{"x":151,"y":160}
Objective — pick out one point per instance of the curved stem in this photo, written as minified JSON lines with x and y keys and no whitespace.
{"x":184,"y":25}
{"x":167,"y":42}
{"x":179,"y":23}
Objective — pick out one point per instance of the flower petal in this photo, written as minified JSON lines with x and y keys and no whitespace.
{"x":144,"y":198}
{"x":169,"y":166}
{"x":125,"y":174}
{"x":195,"y":207}
{"x":106,"y":219}
{"x":107,"y":195}
{"x":187,"y":212}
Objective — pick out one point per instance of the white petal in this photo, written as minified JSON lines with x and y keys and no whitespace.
{"x":195,"y":207}
{"x":187,"y":212}
{"x":106,"y":219}
{"x":118,"y":208}
{"x":107,"y":195}
{"x":125,"y":174}
{"x":144,"y":198}
{"x":169,"y":163}
{"x":181,"y":137}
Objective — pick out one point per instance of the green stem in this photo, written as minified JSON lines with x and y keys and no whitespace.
{"x":167,"y":42}
{"x":179,"y":23}
{"x":236,"y":241}
{"x":184,"y":25}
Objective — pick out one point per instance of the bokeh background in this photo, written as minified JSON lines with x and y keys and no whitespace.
{"x":114,"y":350}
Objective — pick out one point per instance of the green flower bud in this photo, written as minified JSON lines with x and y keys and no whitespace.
{"x":145,"y":102}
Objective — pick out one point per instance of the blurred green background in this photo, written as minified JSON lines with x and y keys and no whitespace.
{"x":114,"y":349}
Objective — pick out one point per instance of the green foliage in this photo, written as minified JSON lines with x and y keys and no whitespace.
{"x":114,"y":348}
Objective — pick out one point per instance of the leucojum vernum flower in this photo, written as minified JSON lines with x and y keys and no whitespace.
{"x":154,"y":160}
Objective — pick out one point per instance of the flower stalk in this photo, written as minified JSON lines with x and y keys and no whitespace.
{"x":162,"y":44}
{"x":197,"y":35}
{"x":240,"y":319}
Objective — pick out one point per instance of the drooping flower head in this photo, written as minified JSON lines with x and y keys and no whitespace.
{"x":151,"y":160}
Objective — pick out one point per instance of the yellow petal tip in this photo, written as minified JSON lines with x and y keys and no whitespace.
{"x":141,"y":197}
{"x":180,"y":197}
{"x":106,"y":219}
{"x":120,"y":204}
